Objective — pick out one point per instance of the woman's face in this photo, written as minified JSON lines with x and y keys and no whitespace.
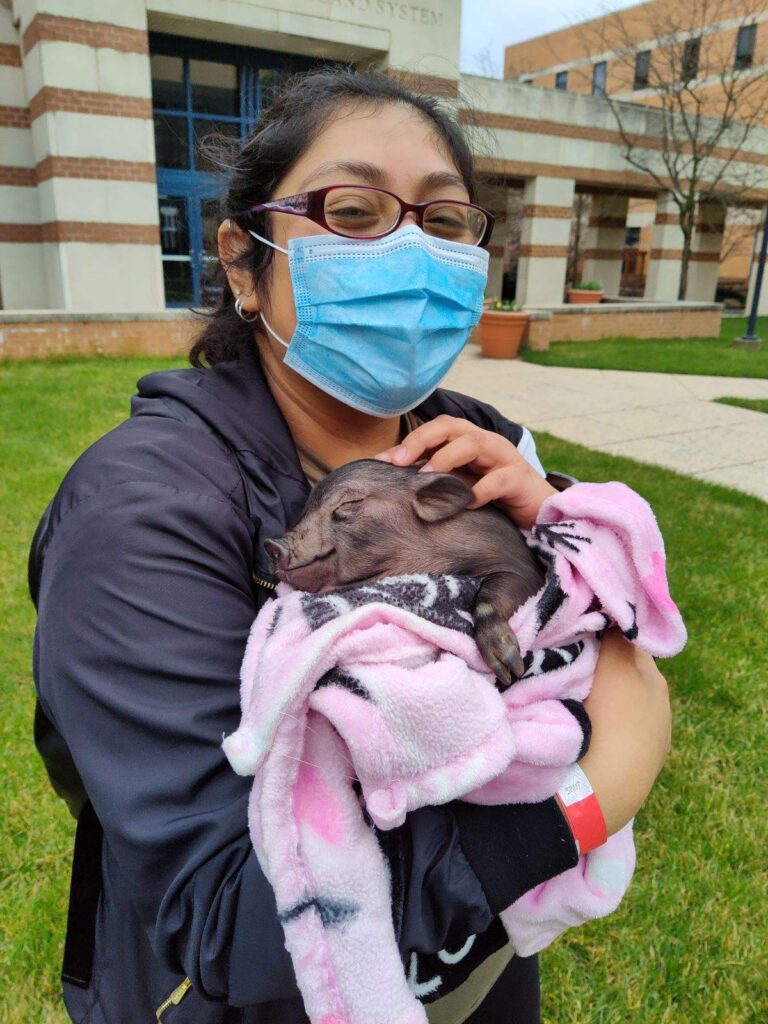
{"x":391,"y":147}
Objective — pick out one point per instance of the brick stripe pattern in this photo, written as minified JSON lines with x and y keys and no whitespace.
{"x":19,"y":176}
{"x":553,"y":212}
{"x":81,"y":101}
{"x":551,"y":251}
{"x":10,"y":55}
{"x":92,"y":231}
{"x":14,"y":117}
{"x":705,"y":257}
{"x":666,"y":254}
{"x":60,"y":231}
{"x":510,"y":122}
{"x":97,"y":169}
{"x":672,"y":219}
{"x":20,"y":233}
{"x":496,"y":251}
{"x":99,"y":34}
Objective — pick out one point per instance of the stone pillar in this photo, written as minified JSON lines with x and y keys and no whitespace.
{"x":546,"y":231}
{"x":762,"y":302}
{"x":705,"y":252}
{"x":22,"y":270}
{"x":662,"y":280}
{"x":604,"y":243}
{"x":87,"y":76}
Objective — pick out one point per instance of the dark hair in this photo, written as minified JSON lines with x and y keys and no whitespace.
{"x":286,"y":128}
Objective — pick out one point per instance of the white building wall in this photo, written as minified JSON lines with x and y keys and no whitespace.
{"x":23,"y":282}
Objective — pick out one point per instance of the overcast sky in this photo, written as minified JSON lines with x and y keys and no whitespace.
{"x":487,"y":26}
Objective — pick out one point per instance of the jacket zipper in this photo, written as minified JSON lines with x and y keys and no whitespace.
{"x":262,"y":582}
{"x":174,"y":998}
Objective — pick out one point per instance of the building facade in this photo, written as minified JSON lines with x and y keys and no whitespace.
{"x":630,"y":54}
{"x":108,"y":196}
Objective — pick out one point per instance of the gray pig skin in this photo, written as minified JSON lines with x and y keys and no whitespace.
{"x":369,"y":519}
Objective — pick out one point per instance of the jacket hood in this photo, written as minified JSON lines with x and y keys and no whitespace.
{"x":232,"y":400}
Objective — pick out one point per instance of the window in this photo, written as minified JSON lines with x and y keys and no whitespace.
{"x":561,"y":80}
{"x":598,"y":78}
{"x":642,"y":69}
{"x":745,"y":47}
{"x":632,"y":237}
{"x":194,"y":97}
{"x":690,"y":62}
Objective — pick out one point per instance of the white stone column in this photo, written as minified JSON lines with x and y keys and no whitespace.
{"x":546,"y":231}
{"x":604,"y":243}
{"x":22,"y":270}
{"x":762,"y":303}
{"x":662,"y":280}
{"x":87,"y":76}
{"x":705,"y":252}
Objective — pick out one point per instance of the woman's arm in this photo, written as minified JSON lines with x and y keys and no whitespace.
{"x":144,"y":610}
{"x":631,"y":729}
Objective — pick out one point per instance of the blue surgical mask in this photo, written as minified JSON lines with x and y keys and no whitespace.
{"x":379,"y":323}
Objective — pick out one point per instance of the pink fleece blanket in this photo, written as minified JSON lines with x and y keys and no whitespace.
{"x":374,"y":700}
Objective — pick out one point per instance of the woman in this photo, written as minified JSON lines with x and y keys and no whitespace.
{"x":148,"y":569}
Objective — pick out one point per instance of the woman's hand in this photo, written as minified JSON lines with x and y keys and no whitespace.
{"x":489,"y":462}
{"x":631,"y":729}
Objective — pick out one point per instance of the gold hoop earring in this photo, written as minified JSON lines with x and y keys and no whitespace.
{"x":239,"y":310}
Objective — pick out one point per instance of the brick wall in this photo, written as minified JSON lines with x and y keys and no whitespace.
{"x":172,"y":335}
{"x":43,"y":340}
{"x":562,"y":325}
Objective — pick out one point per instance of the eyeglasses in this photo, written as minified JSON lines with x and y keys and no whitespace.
{"x":361,"y":211}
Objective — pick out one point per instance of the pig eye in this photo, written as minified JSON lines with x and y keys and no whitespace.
{"x":346,"y":509}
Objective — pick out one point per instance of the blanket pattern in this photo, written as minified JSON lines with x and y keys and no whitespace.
{"x":363,"y":704}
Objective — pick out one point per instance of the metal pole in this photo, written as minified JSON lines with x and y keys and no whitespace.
{"x":750,"y":335}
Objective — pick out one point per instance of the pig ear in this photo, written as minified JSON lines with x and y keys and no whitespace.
{"x":440,"y":496}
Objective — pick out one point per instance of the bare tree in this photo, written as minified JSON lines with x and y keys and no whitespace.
{"x":486,"y":64}
{"x":681,"y":58}
{"x":581,"y":209}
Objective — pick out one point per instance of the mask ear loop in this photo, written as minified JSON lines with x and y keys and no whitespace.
{"x":279,"y":248}
{"x":274,"y":335}
{"x":266,"y":241}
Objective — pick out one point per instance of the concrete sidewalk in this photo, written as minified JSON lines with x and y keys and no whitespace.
{"x":662,"y":418}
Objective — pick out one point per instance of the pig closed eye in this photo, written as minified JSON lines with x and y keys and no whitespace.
{"x":347,"y":509}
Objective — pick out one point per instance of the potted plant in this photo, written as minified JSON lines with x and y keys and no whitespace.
{"x":585,"y":292}
{"x":502,"y":329}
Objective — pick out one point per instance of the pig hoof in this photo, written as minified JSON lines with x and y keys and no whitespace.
{"x":501,"y":653}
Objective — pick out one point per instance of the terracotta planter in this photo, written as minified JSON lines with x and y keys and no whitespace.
{"x":501,"y":334}
{"x":583,"y":297}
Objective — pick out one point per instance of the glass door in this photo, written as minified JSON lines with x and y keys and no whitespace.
{"x":202,"y":89}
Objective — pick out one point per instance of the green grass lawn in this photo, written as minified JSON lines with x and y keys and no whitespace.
{"x":755,"y":404}
{"x":684,"y":947}
{"x":665,"y":355}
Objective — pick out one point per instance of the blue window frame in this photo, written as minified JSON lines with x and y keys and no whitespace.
{"x":199,"y":88}
{"x":561,"y":80}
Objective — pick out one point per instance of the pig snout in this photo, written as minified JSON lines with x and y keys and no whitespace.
{"x":279,"y":551}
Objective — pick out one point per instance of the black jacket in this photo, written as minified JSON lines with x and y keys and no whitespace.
{"x":141,"y":570}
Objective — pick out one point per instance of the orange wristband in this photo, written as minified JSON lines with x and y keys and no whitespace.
{"x":579,"y":804}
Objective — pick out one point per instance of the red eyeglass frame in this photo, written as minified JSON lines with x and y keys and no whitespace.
{"x":314,"y":209}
